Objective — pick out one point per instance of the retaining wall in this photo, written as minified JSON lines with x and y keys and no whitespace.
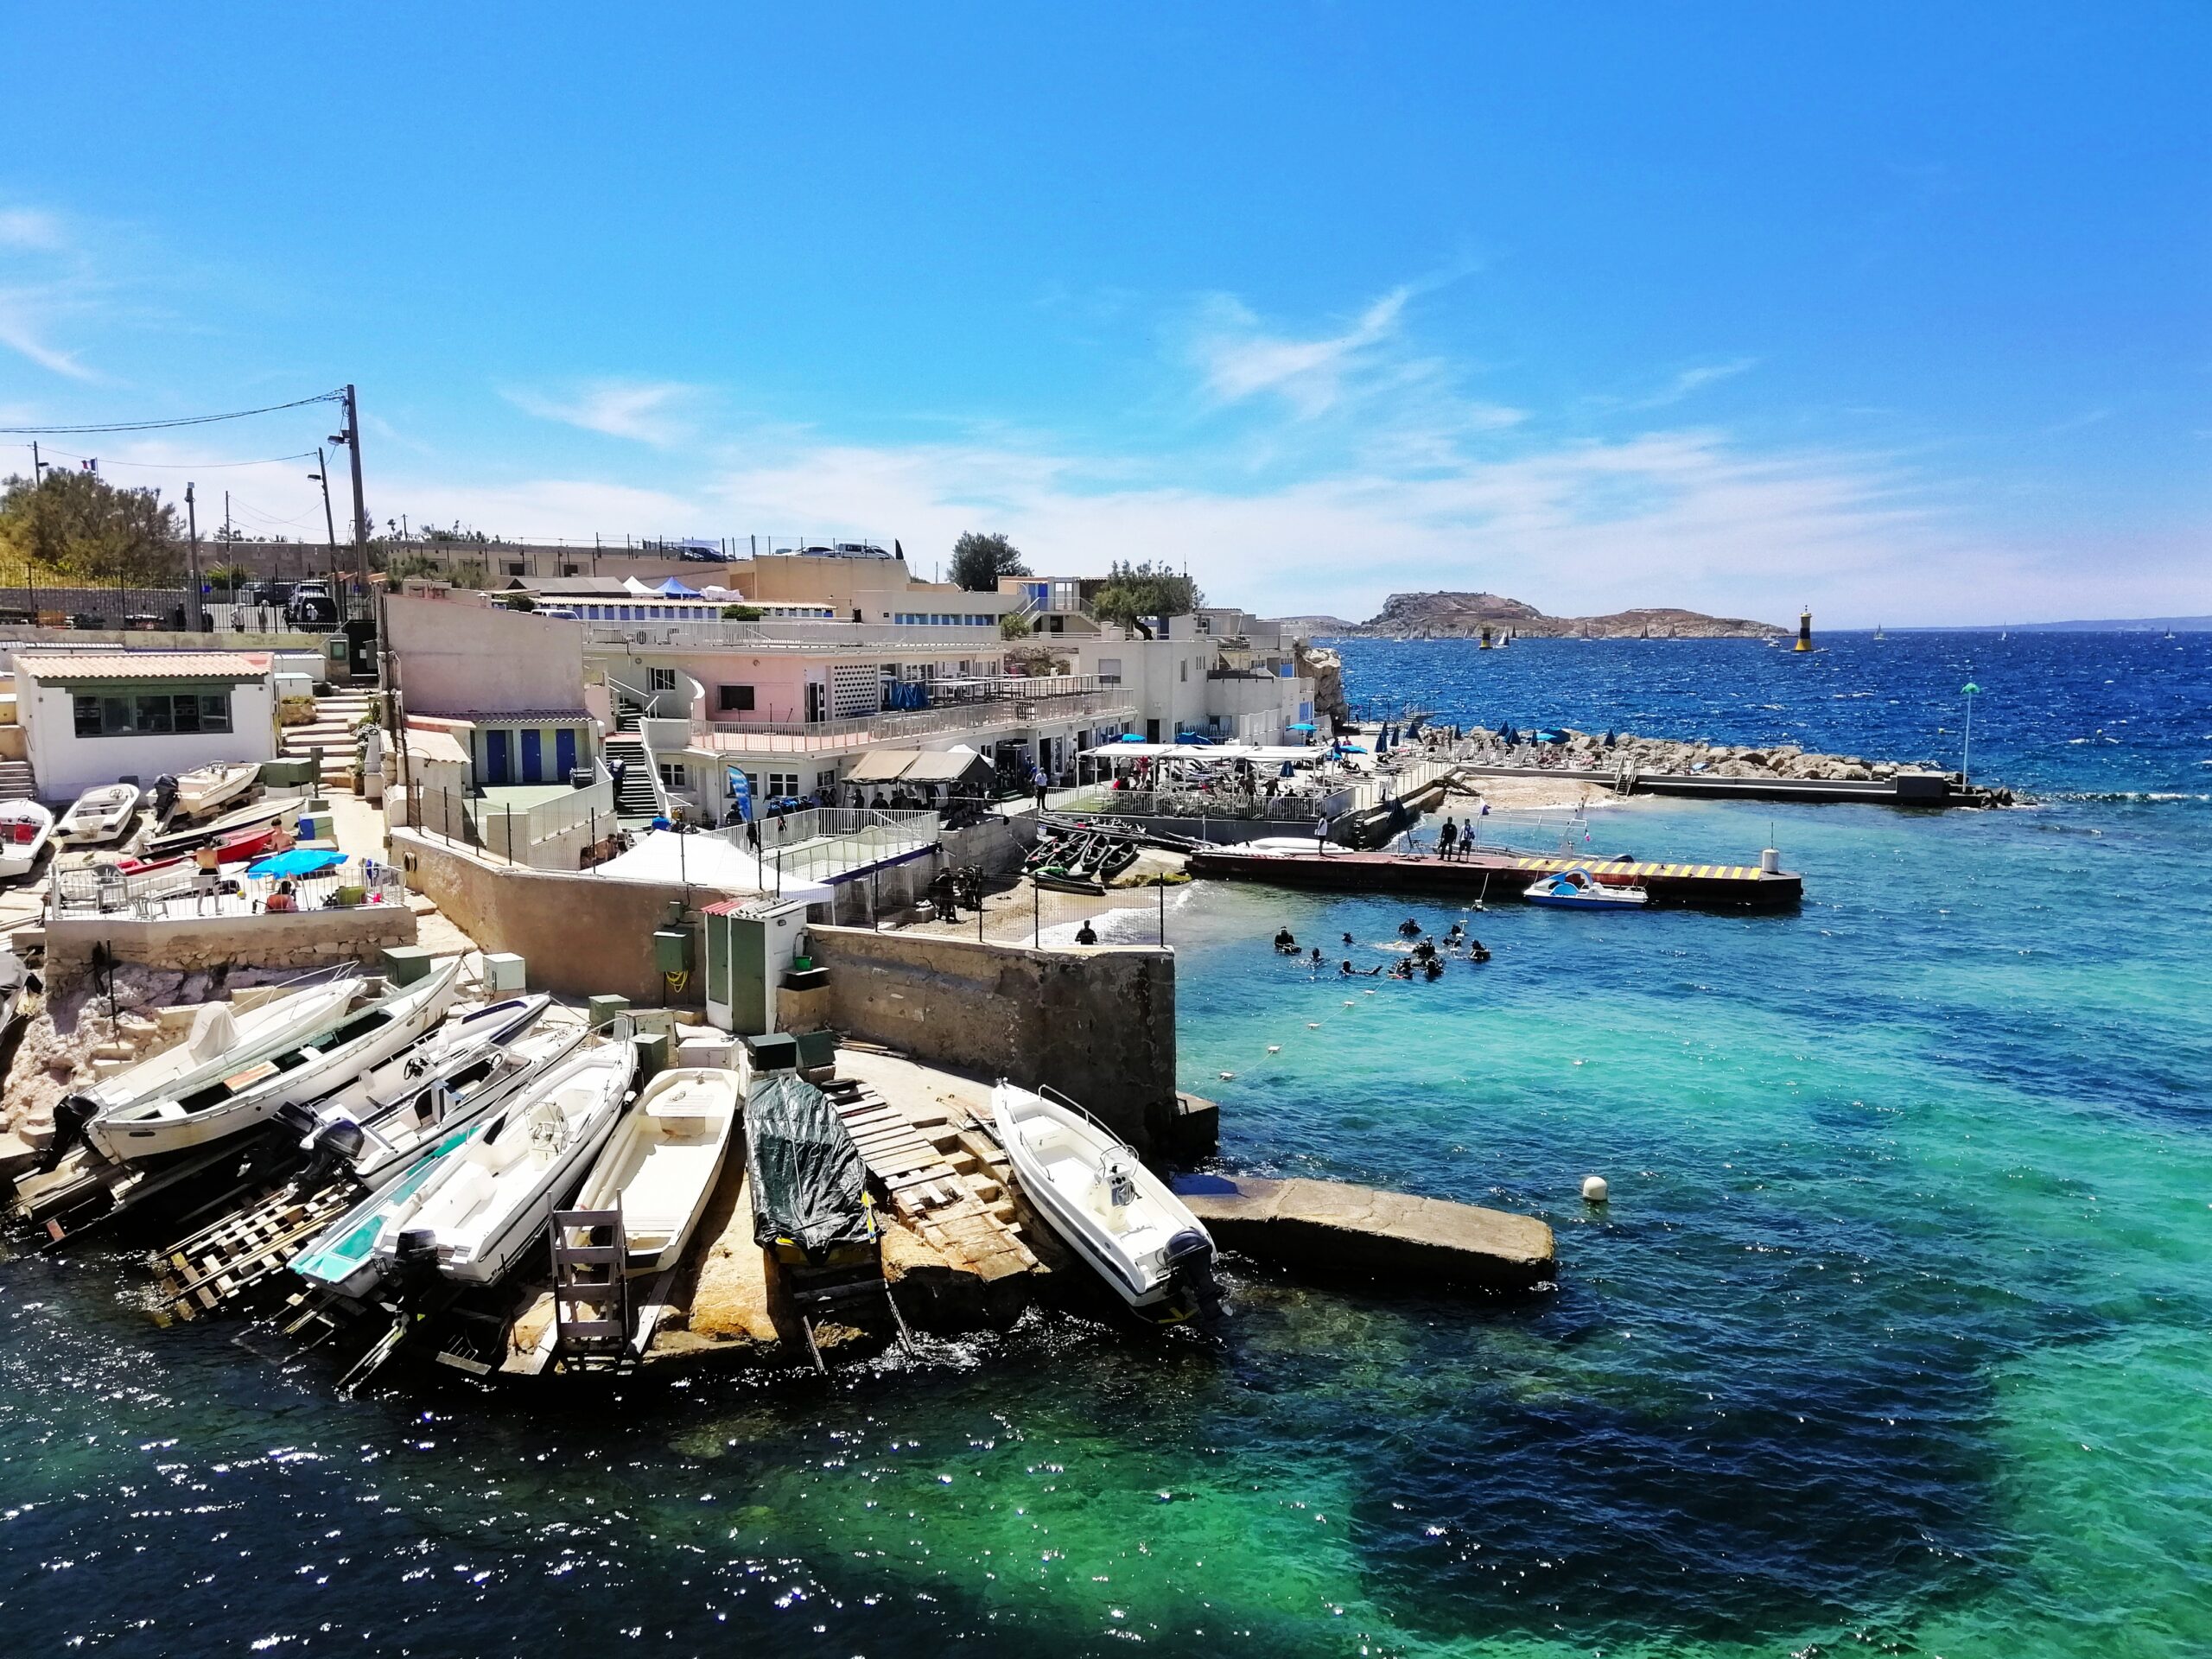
{"x":1096,"y":1024}
{"x":307,"y":938}
{"x":577,"y":934}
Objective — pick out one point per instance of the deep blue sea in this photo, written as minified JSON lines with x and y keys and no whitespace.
{"x":1896,"y":1336}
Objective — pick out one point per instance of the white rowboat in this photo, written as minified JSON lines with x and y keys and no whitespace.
{"x":486,"y":1206}
{"x":662,"y":1162}
{"x":1097,"y":1194}
{"x":25,"y":828}
{"x":221,"y":1041}
{"x":98,"y":814}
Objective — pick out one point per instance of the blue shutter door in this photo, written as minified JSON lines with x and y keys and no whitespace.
{"x":533,"y":755}
{"x":564,"y":753}
{"x":495,"y":757}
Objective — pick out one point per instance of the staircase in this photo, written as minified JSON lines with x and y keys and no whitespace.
{"x":336,"y":714}
{"x":637,"y":798}
{"x":16,"y":783}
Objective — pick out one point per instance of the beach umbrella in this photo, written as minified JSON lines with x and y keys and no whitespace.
{"x":300,"y":861}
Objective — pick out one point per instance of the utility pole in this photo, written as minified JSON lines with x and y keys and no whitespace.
{"x":352,"y":442}
{"x":322,"y":476}
{"x":191,"y":559}
{"x":38,"y":467}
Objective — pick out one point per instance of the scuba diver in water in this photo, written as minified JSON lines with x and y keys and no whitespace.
{"x":1434,"y":968}
{"x":1403,"y":968}
{"x":1477,"y":952}
{"x":1409,"y":929}
{"x":1425,"y":951}
{"x":1315,"y":959}
{"x":1285,"y":945}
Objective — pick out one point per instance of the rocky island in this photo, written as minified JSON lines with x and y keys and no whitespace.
{"x":1465,"y":616}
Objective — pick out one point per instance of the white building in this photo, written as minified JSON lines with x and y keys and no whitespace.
{"x":91,"y":717}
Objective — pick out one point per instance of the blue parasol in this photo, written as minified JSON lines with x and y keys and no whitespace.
{"x":300,"y":861}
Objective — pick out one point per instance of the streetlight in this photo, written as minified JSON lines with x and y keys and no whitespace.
{"x":1970,"y":691}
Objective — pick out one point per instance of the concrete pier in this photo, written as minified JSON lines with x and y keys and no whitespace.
{"x":1335,"y":1227}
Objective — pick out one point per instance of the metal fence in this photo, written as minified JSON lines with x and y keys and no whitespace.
{"x":158,"y":610}
{"x":821,"y":843}
{"x":180,"y":888}
{"x":527,"y":834}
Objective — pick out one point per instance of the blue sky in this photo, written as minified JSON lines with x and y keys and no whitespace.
{"x":1901,"y":311}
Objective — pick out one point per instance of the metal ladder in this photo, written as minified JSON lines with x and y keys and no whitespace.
{"x":591,"y":1304}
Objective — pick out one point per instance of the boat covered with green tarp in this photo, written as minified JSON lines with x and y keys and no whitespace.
{"x":810,"y":1202}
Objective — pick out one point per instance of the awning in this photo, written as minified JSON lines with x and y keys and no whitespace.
{"x":881,"y":765}
{"x":944,"y":766}
{"x":675,"y":589}
{"x":707,"y":861}
{"x":1213,"y":752}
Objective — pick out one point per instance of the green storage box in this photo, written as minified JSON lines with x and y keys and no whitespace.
{"x":405,"y":963}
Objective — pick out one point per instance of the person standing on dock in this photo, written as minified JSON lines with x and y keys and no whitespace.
{"x":1321,"y":834}
{"x":1448,"y":839}
{"x":1039,"y":782}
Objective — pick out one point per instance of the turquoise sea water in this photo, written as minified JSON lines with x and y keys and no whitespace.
{"x":1895,"y":1337}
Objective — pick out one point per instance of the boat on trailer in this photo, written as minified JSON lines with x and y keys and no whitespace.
{"x":490,"y":1200}
{"x":357,"y":1038}
{"x":1096,"y":1193}
{"x":204,"y":789}
{"x":98,"y":814}
{"x":661,"y":1163}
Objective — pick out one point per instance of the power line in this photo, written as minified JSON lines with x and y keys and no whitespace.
{"x":189,"y":420}
{"x":188,"y":466}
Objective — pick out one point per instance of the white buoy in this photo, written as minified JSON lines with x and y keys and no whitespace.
{"x":1770,"y":860}
{"x":1593,"y":1188}
{"x":1228,"y":1076}
{"x":1274,"y":1048}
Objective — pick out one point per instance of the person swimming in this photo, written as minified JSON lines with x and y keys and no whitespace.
{"x":1476,"y":950}
{"x":1347,"y":938}
{"x":1317,"y":955}
{"x":1409,"y":928}
{"x":1425,"y":951}
{"x":1285,"y":943}
{"x":1403,"y":968}
{"x":1434,"y":968}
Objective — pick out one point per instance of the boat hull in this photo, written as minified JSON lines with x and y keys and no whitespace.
{"x":661,"y":1163}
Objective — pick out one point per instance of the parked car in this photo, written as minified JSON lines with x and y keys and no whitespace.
{"x":311,"y":607}
{"x":262,"y":593}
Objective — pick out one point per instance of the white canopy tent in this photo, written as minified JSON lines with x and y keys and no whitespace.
{"x":1270,"y":754}
{"x":663,"y":855}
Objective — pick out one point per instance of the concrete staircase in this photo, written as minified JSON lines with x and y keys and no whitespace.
{"x":336,"y":714}
{"x":636,"y":800}
{"x":16,"y":783}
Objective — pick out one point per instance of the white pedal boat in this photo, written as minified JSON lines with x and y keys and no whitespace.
{"x":662,"y":1162}
{"x":325,"y":1061}
{"x":98,"y":814}
{"x":1577,"y":889}
{"x":25,"y":828}
{"x":489,"y":1203}
{"x":1096,"y":1193}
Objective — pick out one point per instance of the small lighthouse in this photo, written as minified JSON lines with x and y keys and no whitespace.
{"x":1805,"y":629}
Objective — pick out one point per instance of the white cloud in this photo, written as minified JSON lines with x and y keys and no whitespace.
{"x":644,"y":412}
{"x":43,"y":278}
{"x":29,"y":228}
{"x":1239,"y":360}
{"x":25,"y":318}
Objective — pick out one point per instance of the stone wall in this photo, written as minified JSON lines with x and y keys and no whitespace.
{"x":577,"y":934}
{"x":300,"y":939}
{"x":1096,"y":1024}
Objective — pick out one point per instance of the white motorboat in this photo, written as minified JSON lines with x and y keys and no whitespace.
{"x":457,"y":1071}
{"x":221,"y":1041}
{"x":98,"y":814}
{"x":25,"y":828}
{"x":326,"y":1060}
{"x":205,"y":788}
{"x":1096,"y":1193}
{"x":662,"y":1162}
{"x":488,"y":1204}
{"x":343,"y":1257}
{"x":1577,"y":889}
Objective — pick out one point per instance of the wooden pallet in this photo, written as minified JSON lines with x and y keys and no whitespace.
{"x":208,"y":1268}
{"x":912,"y":1170}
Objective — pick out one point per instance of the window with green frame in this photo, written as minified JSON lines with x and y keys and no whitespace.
{"x":152,"y":714}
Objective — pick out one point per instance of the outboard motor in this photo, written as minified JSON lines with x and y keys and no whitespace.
{"x":164,"y":796}
{"x":1188,"y":1256}
{"x":71,"y":1114}
{"x":415,"y":1258}
{"x":332,"y":1150}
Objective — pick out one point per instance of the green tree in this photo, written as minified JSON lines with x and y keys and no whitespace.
{"x":80,"y":526}
{"x":1134,"y":595}
{"x":742,"y":613}
{"x":979,"y":560}
{"x":1012,"y":626}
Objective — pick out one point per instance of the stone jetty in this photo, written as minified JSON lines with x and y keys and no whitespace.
{"x":1658,"y":765}
{"x":1334,"y":1227}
